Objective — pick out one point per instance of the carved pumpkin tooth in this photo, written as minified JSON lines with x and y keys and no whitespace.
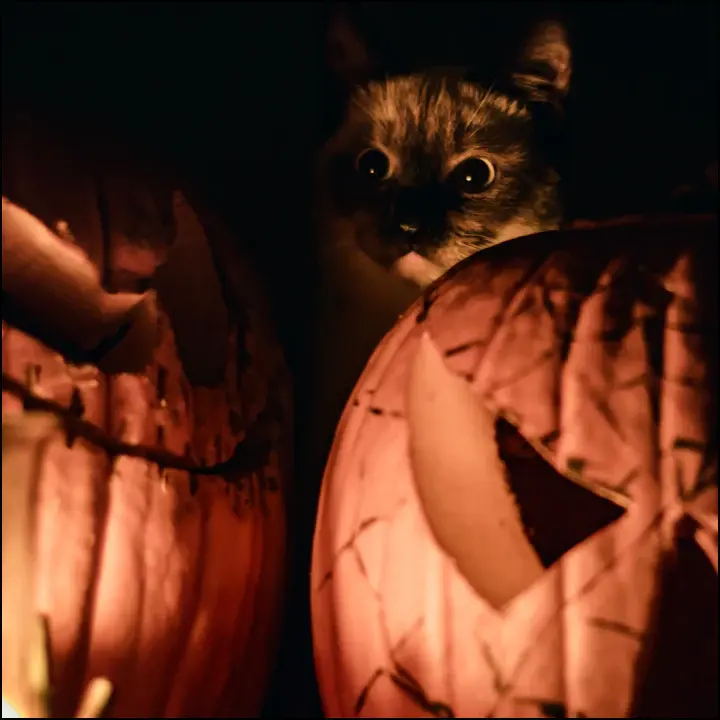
{"x":460,"y":477}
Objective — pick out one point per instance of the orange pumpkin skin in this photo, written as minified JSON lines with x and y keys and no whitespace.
{"x":600,"y":347}
{"x":168,"y":583}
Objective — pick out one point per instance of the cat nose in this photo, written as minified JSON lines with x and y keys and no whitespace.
{"x":409,"y":209}
{"x":409,"y":228}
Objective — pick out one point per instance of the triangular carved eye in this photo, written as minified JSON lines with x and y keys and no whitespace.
{"x":557,"y":514}
{"x":493,"y":504}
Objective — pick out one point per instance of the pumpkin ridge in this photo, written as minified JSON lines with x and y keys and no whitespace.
{"x":237,"y":675}
{"x":151,"y":508}
{"x":190,"y":611}
{"x":102,"y":506}
{"x":175,"y":697}
{"x":213,"y":675}
{"x":124,"y":677}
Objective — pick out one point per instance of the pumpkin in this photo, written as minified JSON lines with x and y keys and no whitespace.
{"x":518,"y":517}
{"x":155,"y":533}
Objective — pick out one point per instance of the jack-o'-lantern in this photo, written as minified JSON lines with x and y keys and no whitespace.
{"x":147,"y":512}
{"x":519,"y":513}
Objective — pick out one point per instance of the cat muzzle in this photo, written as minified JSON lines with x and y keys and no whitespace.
{"x":416,"y":217}
{"x":417,"y":269}
{"x":409,"y":236}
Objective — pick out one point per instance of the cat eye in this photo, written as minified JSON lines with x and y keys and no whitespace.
{"x":472,"y":176}
{"x":373,"y":164}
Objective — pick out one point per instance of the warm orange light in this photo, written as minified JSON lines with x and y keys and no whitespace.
{"x":119,"y":546}
{"x":519,"y":513}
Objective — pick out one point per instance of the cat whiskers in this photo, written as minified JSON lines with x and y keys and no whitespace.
{"x":486,"y":97}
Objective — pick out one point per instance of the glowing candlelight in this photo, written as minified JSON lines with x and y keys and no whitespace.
{"x":92,"y":705}
{"x":25,"y":667}
{"x":8,"y":711}
{"x":24,"y":439}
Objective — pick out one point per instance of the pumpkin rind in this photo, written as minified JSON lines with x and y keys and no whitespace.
{"x":167,"y":583}
{"x":600,"y":346}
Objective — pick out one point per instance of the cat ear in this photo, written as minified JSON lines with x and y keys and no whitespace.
{"x":348,"y":55}
{"x":544,"y":67}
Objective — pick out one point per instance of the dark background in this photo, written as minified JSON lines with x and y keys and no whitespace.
{"x":235,"y":96}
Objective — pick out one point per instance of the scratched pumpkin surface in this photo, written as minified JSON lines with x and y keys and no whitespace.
{"x":596,"y":349}
{"x":168,"y":582}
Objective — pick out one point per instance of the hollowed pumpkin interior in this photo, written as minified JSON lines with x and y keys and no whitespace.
{"x":557,"y":514}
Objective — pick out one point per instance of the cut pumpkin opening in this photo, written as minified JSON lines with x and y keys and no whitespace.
{"x":493,"y":504}
{"x":557,"y":514}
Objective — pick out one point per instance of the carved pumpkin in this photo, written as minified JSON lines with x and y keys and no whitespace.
{"x":158,"y":502}
{"x":519,"y":513}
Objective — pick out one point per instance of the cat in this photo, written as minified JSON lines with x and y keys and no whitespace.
{"x":424,"y":170}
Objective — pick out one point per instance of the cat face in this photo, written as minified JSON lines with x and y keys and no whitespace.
{"x":436,"y":166}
